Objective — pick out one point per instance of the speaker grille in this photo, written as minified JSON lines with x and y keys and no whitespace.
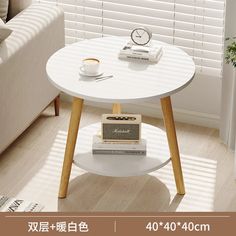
{"x":121,"y":131}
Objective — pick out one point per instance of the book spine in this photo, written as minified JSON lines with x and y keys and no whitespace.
{"x":118,"y":152}
{"x":118,"y":147}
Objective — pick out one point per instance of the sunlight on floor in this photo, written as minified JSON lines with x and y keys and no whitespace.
{"x":200,"y":180}
{"x":46,"y":181}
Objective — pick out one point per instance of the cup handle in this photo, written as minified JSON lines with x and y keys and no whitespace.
{"x":82,"y":68}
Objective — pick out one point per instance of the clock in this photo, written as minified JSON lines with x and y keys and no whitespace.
{"x":141,"y":36}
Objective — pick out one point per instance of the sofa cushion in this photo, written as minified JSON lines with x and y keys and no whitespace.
{"x":16,"y":6}
{"x":4,"y":31}
{"x":4,"y":9}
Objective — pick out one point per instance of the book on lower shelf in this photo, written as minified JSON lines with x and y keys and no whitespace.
{"x":113,"y":148}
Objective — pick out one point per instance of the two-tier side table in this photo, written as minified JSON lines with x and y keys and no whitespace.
{"x":133,"y":82}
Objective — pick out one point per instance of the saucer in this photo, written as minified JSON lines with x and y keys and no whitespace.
{"x":90,"y":75}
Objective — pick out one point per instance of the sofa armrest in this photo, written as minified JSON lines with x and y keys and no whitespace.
{"x":29,"y":26}
{"x":38,"y":32}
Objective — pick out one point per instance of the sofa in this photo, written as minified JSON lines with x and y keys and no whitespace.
{"x":38,"y":31}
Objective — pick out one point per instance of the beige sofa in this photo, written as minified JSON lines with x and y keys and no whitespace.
{"x":38,"y":31}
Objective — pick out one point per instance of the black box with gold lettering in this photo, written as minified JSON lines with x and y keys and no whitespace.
{"x":121,"y":128}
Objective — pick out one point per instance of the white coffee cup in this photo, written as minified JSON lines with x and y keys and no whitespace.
{"x":90,"y":66}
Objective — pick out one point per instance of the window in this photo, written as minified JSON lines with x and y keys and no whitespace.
{"x":196,"y":26}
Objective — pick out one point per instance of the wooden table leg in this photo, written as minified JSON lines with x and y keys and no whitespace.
{"x":173,"y":144}
{"x":116,"y":109}
{"x":70,"y":145}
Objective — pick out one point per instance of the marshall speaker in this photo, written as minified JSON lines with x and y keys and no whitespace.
{"x":121,"y":127}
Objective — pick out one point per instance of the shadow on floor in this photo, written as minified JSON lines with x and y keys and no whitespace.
{"x":90,"y":192}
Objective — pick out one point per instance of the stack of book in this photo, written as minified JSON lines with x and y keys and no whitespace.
{"x":118,"y":148}
{"x":145,"y":53}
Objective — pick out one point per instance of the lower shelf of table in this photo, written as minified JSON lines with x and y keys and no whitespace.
{"x":122,"y":165}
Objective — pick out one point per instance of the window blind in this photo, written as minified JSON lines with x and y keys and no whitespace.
{"x":196,"y":26}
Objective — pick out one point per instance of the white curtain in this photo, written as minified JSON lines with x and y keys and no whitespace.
{"x":228,"y":107}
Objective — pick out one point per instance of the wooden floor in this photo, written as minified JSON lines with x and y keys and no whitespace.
{"x":30,"y":169}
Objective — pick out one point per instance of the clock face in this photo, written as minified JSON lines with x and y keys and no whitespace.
{"x":141,"y":36}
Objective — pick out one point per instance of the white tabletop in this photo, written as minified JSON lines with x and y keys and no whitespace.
{"x":133,"y":80}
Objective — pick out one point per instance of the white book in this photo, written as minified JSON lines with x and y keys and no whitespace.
{"x":100,"y":147}
{"x":152,"y":53}
{"x":119,"y":152}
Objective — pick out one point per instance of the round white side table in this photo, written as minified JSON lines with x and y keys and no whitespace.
{"x":132,"y":82}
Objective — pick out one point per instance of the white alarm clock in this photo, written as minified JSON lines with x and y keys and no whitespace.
{"x":141,"y":36}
